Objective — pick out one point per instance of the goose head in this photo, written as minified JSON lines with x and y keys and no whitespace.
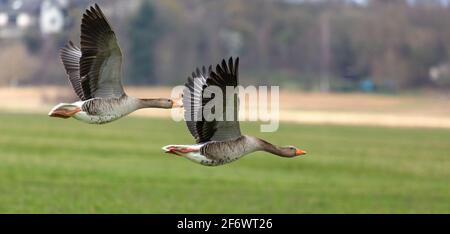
{"x":283,"y":151}
{"x":64,"y":110}
{"x":291,"y":151}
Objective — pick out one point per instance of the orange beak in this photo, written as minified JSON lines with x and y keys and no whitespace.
{"x":299,"y":152}
{"x":176,"y":103}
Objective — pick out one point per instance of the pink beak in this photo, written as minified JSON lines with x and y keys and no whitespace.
{"x":64,"y":113}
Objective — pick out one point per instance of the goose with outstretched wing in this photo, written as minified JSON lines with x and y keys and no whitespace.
{"x":95,"y":73}
{"x":219,"y":139}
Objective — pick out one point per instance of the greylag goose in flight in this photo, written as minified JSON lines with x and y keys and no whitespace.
{"x":219,"y":142}
{"x":95,"y":73}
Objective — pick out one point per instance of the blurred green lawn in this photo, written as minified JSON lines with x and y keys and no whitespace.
{"x":65,"y":166}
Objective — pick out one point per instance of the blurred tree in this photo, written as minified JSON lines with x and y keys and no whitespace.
{"x":144,"y":32}
{"x":33,"y":41}
{"x":392,"y":43}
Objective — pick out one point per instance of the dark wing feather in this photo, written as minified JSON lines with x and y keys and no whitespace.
{"x":226,"y":75}
{"x":101,"y":60}
{"x":192,"y":102}
{"x":70,"y":56}
{"x":215,"y":130}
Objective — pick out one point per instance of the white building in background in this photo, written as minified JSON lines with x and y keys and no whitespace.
{"x":51,"y":19}
{"x":440,"y":74}
{"x":45,"y":16}
{"x":4,"y":18}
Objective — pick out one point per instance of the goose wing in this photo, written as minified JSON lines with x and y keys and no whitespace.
{"x":200,"y":123}
{"x":101,"y":58}
{"x":192,"y":101}
{"x":70,"y":56}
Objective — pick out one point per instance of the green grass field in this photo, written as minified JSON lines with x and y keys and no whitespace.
{"x":65,"y":166}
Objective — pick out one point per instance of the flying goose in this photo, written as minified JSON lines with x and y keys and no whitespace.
{"x":219,"y":142}
{"x":95,"y":73}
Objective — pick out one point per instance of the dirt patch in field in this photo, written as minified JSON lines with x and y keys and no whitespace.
{"x":425,"y":110}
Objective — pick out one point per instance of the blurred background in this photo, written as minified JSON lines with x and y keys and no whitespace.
{"x":327,"y":53}
{"x":326,"y":45}
{"x":380,"y":69}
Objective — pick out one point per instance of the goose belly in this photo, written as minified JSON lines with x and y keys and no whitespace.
{"x":96,"y":119}
{"x":216,"y":162}
{"x":215,"y":153}
{"x":100,"y":111}
{"x":223,"y":152}
{"x":220,"y":160}
{"x":206,"y":158}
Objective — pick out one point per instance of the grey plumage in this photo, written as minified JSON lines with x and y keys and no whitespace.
{"x":94,"y":71}
{"x":195,"y":98}
{"x":101,"y":106}
{"x":219,"y":141}
{"x":221,"y":152}
{"x":70,"y":56}
{"x":101,"y":60}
